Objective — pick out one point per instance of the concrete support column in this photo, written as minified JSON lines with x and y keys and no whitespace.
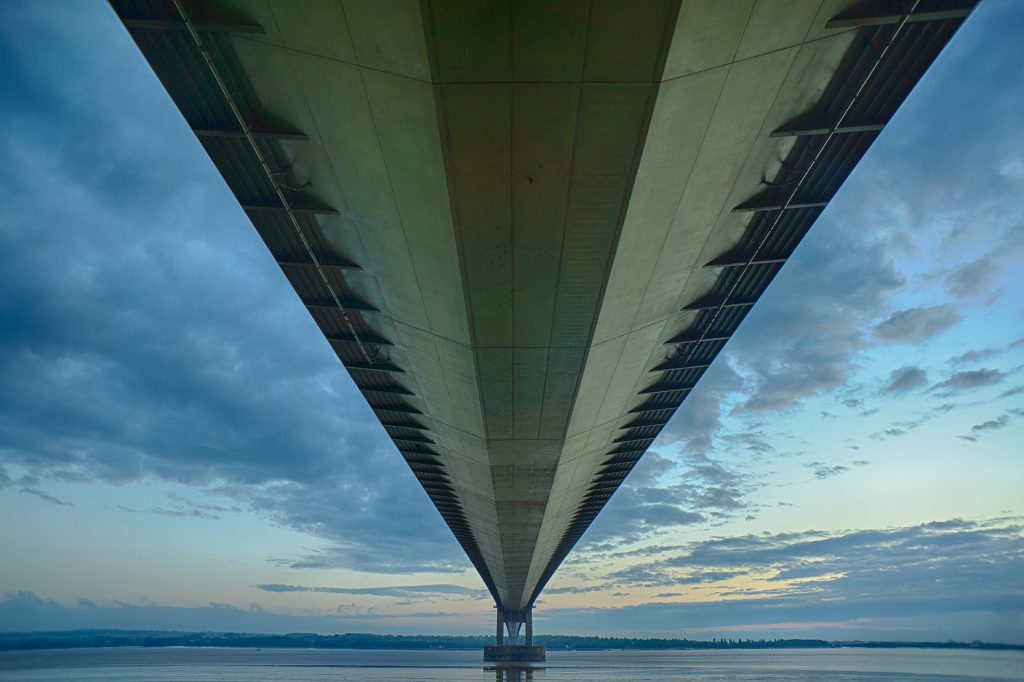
{"x":511,"y":651}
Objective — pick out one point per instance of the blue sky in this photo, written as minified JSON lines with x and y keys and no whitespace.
{"x":180,"y":448}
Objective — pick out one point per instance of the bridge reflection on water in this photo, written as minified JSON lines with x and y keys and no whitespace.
{"x":513,"y":673}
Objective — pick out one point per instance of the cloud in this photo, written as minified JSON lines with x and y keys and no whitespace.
{"x":699,"y":418}
{"x":1000,"y":422}
{"x":937,"y":576}
{"x":968,"y":379}
{"x":973,"y":278}
{"x":572,"y":590}
{"x":46,"y":497}
{"x":823,"y":471}
{"x":164,"y":511}
{"x":147,"y":334}
{"x":400,"y":591}
{"x":915,"y":325}
{"x":26,"y":611}
{"x":973,"y":356}
{"x":1016,"y":390}
{"x":906,"y":379}
{"x":900,"y":428}
{"x":806,"y":333}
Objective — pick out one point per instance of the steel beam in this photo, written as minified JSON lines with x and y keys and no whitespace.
{"x":331,"y":304}
{"x":690,"y":337}
{"x":734,"y":259}
{"x":626,"y":439}
{"x":670,"y":365}
{"x":258,"y":133}
{"x":666,"y":388}
{"x":647,"y":409}
{"x":640,"y":423}
{"x":387,"y":367}
{"x":325,"y":261}
{"x":852,"y":20}
{"x":712,"y":302}
{"x":419,"y":440}
{"x":394,"y":390}
{"x":364,"y":337}
{"x":759,"y":206}
{"x":297,"y":208}
{"x":201,"y":26}
{"x":412,"y":426}
{"x":796,"y":130}
{"x":400,"y":409}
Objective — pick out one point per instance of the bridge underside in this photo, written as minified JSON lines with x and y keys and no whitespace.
{"x":528,"y":227}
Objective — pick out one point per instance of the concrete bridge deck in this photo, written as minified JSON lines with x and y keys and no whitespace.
{"x":528,"y":227}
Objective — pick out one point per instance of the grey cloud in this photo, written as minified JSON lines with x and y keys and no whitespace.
{"x":805,"y":332}
{"x":46,"y":497}
{"x":164,"y":511}
{"x":823,"y":471}
{"x":702,"y":489}
{"x":940,"y":571}
{"x":649,"y":469}
{"x":643,"y":575}
{"x":699,"y":418}
{"x":26,"y":611}
{"x":573,"y":590}
{"x":192,"y":504}
{"x":973,"y":278}
{"x":953,"y":541}
{"x":399,"y":591}
{"x":915,"y":325}
{"x":992,"y":424}
{"x":968,"y":379}
{"x":901,"y":428}
{"x":973,"y":356}
{"x":888,"y":433}
{"x":146,"y":333}
{"x":1000,"y":422}
{"x":906,"y":379}
{"x":184,"y":508}
{"x":709,"y":577}
{"x":754,"y":441}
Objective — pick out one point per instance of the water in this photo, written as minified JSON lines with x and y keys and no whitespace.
{"x":246,"y":665}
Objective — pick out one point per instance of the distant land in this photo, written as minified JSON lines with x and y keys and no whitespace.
{"x":72,"y":639}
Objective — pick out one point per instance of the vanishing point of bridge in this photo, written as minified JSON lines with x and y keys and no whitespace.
{"x":527,"y":227}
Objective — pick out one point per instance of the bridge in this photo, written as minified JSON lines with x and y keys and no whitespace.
{"x":527,"y":227}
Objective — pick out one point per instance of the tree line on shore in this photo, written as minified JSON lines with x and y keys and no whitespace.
{"x":156,"y":638}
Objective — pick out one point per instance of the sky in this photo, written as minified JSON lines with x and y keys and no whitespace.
{"x":181,"y":449}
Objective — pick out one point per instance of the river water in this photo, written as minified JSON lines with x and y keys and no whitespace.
{"x":247,"y":665}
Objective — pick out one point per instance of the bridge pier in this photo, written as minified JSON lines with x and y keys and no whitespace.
{"x":513,"y":653}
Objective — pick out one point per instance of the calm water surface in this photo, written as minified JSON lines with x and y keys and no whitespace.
{"x":246,"y":665}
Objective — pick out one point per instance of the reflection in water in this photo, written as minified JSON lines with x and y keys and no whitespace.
{"x":512,"y":674}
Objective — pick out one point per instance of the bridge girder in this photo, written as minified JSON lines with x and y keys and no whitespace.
{"x":505,"y":216}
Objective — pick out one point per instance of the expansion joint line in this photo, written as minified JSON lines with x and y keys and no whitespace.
{"x":804,"y":174}
{"x":279,"y":188}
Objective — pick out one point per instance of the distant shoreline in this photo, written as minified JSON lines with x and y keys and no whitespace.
{"x":91,"y":639}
